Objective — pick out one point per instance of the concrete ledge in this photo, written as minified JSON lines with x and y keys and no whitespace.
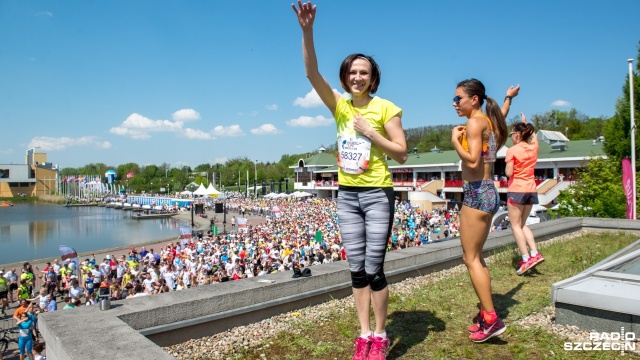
{"x":166,"y":319}
{"x":596,"y":319}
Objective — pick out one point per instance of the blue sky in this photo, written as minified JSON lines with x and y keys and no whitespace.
{"x":193,"y":82}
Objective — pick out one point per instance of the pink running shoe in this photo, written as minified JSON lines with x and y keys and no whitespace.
{"x":523,"y":266}
{"x":379,"y":347}
{"x":362,"y":348}
{"x":476,"y":323}
{"x":535,"y":260}
{"x":487,"y":331}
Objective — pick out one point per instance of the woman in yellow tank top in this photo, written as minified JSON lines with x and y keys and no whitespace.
{"x":368,"y":127}
{"x":477,"y":144}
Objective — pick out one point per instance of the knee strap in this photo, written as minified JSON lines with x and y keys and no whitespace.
{"x":359,"y":279}
{"x":377,"y":281}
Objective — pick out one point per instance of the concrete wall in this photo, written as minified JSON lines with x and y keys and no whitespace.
{"x":166,"y":319}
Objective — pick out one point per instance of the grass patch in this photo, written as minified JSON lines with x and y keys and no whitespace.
{"x":430,"y":321}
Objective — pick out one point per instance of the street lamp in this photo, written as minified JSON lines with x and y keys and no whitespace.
{"x":255,"y":178}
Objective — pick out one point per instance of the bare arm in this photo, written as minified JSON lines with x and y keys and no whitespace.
{"x":306,"y":16}
{"x":395,"y":146}
{"x":474,"y":129}
{"x":511,"y":92}
{"x":509,"y":169}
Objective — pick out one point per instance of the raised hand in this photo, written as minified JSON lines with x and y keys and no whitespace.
{"x":306,"y":14}
{"x":524,"y":118}
{"x":513,"y":90}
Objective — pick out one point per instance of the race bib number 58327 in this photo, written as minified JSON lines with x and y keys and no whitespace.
{"x":353,"y":153}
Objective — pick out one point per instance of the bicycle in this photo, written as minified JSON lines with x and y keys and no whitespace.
{"x":6,"y":339}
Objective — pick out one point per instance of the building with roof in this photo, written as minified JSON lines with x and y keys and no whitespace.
{"x":433,"y":179}
{"x":35,"y":177}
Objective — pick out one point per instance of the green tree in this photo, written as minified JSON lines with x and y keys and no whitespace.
{"x":124,"y":169}
{"x":597,"y":192}
{"x":150,"y":172}
{"x":69,"y":171}
{"x":93,"y":169}
{"x":617,"y":131}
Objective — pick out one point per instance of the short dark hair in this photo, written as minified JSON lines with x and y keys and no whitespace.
{"x":345,"y":68}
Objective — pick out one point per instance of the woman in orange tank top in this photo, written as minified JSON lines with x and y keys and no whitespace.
{"x":522,"y":193}
{"x":477,"y":144}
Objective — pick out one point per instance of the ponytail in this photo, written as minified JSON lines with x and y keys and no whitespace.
{"x":526,"y":130}
{"x":497,"y":120}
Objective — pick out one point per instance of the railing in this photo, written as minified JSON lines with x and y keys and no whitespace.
{"x":334,"y":183}
{"x":419,"y":183}
{"x":326,"y":183}
{"x":453,"y":183}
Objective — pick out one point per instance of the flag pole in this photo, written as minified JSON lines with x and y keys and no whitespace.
{"x":633,"y":137}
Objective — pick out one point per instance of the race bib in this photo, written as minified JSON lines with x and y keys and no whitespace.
{"x":492,"y":149}
{"x":353,"y":153}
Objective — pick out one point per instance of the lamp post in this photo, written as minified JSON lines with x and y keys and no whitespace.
{"x":193,"y":224}
{"x":224,"y":215}
{"x":255,"y":178}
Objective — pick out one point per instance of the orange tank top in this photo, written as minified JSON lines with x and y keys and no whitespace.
{"x":488,"y":146}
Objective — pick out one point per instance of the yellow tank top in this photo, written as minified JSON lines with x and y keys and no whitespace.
{"x":488,"y":145}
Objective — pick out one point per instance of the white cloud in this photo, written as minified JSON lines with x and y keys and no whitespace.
{"x":186,"y":115}
{"x":229,"y":131}
{"x":308,"y":121}
{"x":310,"y":100}
{"x":272,"y":107}
{"x":61,"y":143}
{"x":561,"y":103}
{"x":196,"y":134}
{"x":137,"y":126}
{"x":265,"y":129}
{"x":44,"y":13}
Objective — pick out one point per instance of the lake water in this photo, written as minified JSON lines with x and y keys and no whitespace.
{"x":35,"y":230}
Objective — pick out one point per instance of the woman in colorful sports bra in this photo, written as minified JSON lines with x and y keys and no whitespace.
{"x":368,"y":127}
{"x":477,"y":144}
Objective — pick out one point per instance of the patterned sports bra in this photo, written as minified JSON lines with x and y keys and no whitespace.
{"x":489,"y":146}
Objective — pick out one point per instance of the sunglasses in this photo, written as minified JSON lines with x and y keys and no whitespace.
{"x":456,"y":99}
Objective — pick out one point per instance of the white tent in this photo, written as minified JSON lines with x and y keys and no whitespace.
{"x":186,"y":192}
{"x":212,"y":192}
{"x":201,"y":191}
{"x":300,"y":194}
